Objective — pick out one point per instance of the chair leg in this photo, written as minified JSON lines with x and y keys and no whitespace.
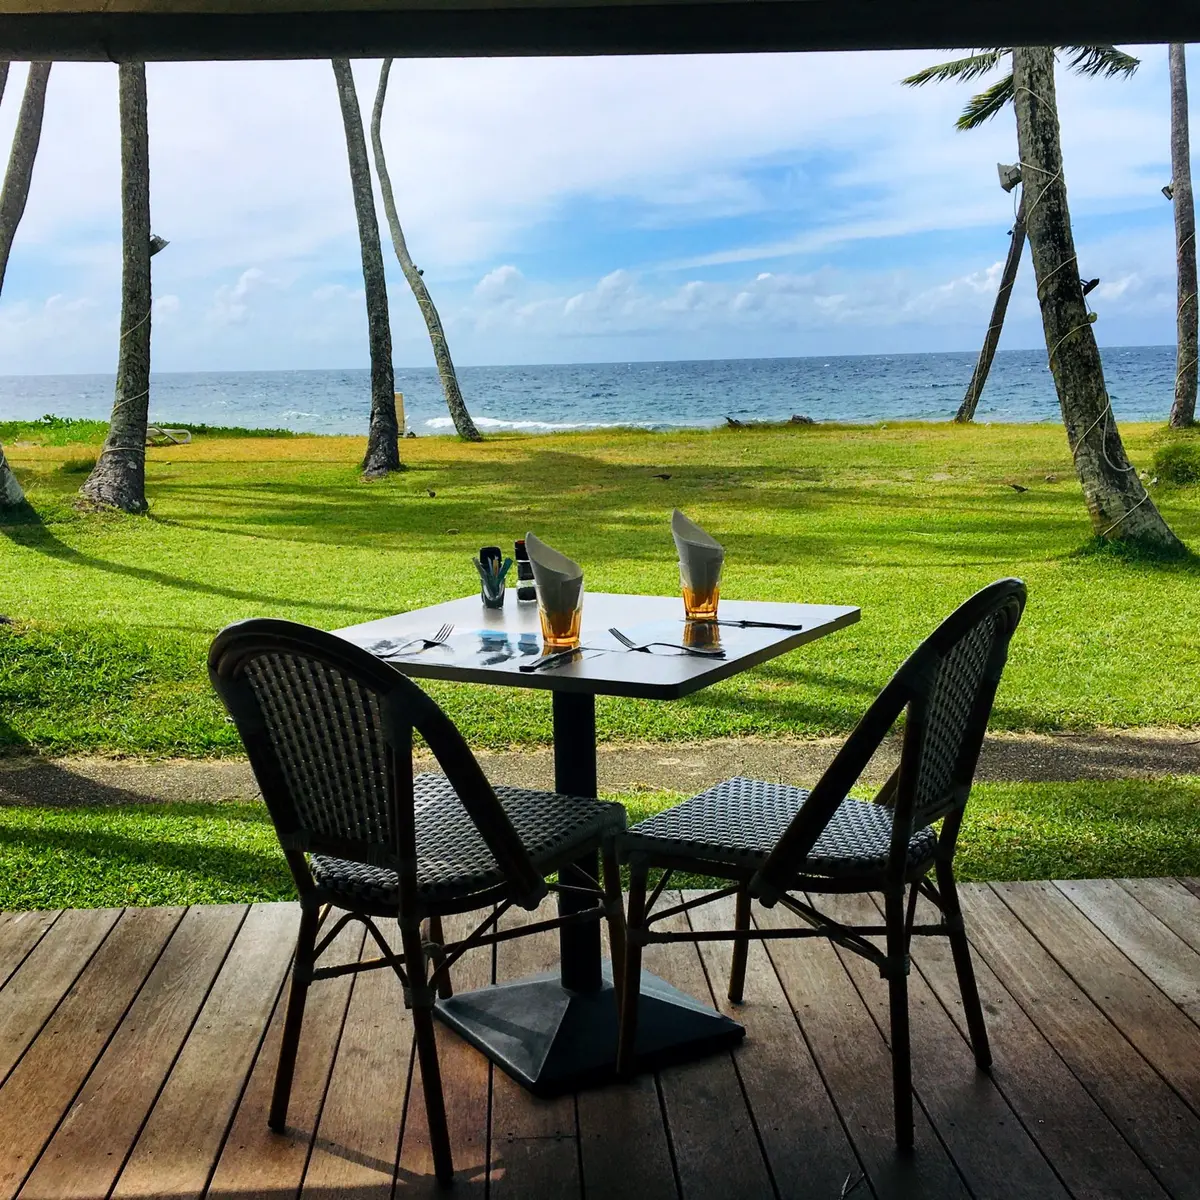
{"x":436,"y":937}
{"x":960,"y":948}
{"x":897,"y":954}
{"x":301,"y":977}
{"x":631,"y":989}
{"x":427,"y":1055}
{"x":741,"y":947}
{"x":616,"y":917}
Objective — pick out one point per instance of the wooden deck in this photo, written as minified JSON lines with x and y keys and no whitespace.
{"x":137,"y":1049}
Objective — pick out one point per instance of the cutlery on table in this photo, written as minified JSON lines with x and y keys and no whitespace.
{"x":439,"y":639}
{"x":762,"y":625}
{"x":699,"y":651}
{"x":546,"y":660}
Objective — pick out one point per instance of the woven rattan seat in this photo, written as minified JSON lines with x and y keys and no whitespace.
{"x":740,"y":821}
{"x":792,"y":847}
{"x":453,"y":860}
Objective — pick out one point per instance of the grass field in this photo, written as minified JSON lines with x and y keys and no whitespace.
{"x":112,"y":615}
{"x":217,"y":853}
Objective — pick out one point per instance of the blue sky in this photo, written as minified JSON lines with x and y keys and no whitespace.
{"x":577,"y":210}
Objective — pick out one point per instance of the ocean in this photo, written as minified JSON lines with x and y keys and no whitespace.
{"x":653,"y":395}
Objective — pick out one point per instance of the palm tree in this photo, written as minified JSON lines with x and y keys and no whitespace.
{"x":1119,"y":506}
{"x":13,"y":199}
{"x":118,"y":480}
{"x":437,"y":335}
{"x":1183,"y":410}
{"x":383,"y":448}
{"x":1084,"y":60}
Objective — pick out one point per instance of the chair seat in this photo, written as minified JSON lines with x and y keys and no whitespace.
{"x":738,"y":822}
{"x":454,"y":861}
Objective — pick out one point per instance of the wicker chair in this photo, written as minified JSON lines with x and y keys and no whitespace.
{"x":329,"y":732}
{"x":773,"y":841}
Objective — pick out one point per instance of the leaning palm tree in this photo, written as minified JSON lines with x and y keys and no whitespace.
{"x":1083,"y":60}
{"x":1120,"y":508}
{"x":118,"y":480}
{"x":437,"y":335}
{"x":13,"y":199}
{"x":383,"y":448}
{"x":1183,"y":409}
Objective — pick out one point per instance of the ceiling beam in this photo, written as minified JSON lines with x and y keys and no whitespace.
{"x":172,"y":30}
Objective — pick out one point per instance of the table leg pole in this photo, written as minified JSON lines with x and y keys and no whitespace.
{"x":575,"y":775}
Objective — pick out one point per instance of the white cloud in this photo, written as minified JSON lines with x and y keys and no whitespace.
{"x":231,"y":303}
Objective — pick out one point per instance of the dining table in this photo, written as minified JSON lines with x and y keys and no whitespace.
{"x":557,"y":1032}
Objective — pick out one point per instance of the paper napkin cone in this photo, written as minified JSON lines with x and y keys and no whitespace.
{"x":559,"y":579}
{"x":700,"y":554}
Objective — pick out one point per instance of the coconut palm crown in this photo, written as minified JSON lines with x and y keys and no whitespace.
{"x":1102,"y":61}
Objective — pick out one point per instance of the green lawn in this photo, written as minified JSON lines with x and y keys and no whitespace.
{"x":194,"y":854}
{"x":113,"y":615}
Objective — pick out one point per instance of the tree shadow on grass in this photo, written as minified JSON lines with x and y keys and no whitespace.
{"x":264,"y":875}
{"x":28,"y":530}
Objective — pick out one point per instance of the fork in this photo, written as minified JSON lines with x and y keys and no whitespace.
{"x":699,"y":651}
{"x":439,"y":639}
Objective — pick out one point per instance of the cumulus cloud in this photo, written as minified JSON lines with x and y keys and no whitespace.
{"x":231,"y":303}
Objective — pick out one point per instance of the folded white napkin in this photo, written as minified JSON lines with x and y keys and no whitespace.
{"x":700,"y":554}
{"x":559,"y":579}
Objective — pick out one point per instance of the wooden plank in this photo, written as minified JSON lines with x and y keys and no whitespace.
{"x":624,"y":1124}
{"x":1172,"y":903}
{"x":466,"y":1085}
{"x":989,"y":1145}
{"x":90,"y":1146}
{"x":182,"y":1137}
{"x":19,"y":933}
{"x":1159,"y":953}
{"x":1088,"y":1152}
{"x":712,"y":1130}
{"x":802,"y":1135}
{"x":855,"y":1063}
{"x":358,"y":1135}
{"x":1156,"y":1027}
{"x":534,"y":1142}
{"x":41,"y":981}
{"x":1155,"y":1122}
{"x":1192,"y":885}
{"x":254,"y":1160}
{"x":42,"y":1085}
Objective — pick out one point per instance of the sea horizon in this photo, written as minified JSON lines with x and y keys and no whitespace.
{"x":644,"y":393}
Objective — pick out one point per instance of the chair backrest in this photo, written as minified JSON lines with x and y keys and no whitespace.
{"x":329,"y":730}
{"x":947,"y":685}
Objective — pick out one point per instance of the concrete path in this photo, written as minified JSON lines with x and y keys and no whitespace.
{"x":672,"y":766}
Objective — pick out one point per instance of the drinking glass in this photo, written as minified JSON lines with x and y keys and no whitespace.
{"x":560,"y":627}
{"x":701,"y":590}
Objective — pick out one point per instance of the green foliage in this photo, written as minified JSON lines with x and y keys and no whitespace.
{"x":1178,"y":462}
{"x":227,"y":853}
{"x":1102,"y":61}
{"x":115,"y":614}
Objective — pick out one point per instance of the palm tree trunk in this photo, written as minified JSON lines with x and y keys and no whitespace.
{"x":966,"y":410}
{"x":13,"y":198}
{"x":1183,"y":410}
{"x":383,"y":447}
{"x":118,"y":479}
{"x":26,"y":137}
{"x":437,"y":336}
{"x":1119,"y":506}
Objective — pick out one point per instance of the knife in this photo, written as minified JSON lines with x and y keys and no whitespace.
{"x":762,"y":625}
{"x":546,"y":660}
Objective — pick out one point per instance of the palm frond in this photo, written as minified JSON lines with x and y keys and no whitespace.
{"x":987,"y":104}
{"x":1105,"y":61}
{"x":962,"y":69}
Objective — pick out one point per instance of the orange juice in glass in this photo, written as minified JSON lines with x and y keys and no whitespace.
{"x":560,"y":627}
